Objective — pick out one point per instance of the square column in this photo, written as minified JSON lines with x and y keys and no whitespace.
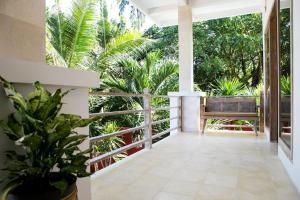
{"x":190,"y":110}
{"x":185,"y":34}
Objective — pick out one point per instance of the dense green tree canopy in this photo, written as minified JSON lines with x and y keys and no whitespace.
{"x":229,"y":47}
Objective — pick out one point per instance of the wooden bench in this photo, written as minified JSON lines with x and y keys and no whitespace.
{"x":232,"y":108}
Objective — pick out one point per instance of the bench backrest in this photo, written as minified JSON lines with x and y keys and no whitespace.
{"x":231,"y":104}
{"x":285,"y":104}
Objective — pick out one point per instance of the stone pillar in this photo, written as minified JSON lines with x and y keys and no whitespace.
{"x":190,"y":110}
{"x":185,"y":33}
{"x":22,"y":32}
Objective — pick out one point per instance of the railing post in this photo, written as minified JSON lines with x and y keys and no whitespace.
{"x":175,"y":114}
{"x":147,"y":119}
{"x":179,"y":113}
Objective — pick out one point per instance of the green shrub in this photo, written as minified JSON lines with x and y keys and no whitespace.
{"x":45,"y":140}
{"x":228,"y":87}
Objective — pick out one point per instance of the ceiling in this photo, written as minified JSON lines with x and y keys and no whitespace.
{"x":165,"y":12}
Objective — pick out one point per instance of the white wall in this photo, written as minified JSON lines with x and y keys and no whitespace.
{"x":22,"y":29}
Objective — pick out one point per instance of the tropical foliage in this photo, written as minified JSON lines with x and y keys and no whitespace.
{"x":83,"y":38}
{"x":226,"y":87}
{"x":224,"y":48}
{"x":136,"y":16}
{"x":71,"y":36}
{"x":285,"y":84}
{"x":227,"y":58}
{"x":108,"y":144}
{"x":45,"y":140}
{"x":133,"y":75}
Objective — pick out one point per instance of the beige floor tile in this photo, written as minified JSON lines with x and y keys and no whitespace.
{"x":246,"y":195}
{"x":138,"y":193}
{"x":149,"y":180}
{"x":190,"y":175}
{"x":193,"y":167}
{"x":255,"y":185}
{"x":215,"y":179}
{"x":216,"y":193}
{"x":181,"y":188}
{"x":171,"y":196}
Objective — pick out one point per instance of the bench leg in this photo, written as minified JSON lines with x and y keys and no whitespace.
{"x":203,"y":124}
{"x":255,"y":127}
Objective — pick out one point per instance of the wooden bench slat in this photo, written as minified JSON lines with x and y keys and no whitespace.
{"x":227,"y":114}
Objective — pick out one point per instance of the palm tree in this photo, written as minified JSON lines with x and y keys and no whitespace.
{"x":113,"y":47}
{"x":86,"y":39}
{"x":133,"y":75}
{"x":71,"y":36}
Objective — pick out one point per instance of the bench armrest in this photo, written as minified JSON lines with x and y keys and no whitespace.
{"x":202,"y":108}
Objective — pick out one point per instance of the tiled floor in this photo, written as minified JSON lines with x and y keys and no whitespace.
{"x":193,"y":167}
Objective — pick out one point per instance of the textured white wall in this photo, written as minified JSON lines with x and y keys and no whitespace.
{"x":22,"y":29}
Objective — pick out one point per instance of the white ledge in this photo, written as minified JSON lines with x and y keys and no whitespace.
{"x":20,"y":71}
{"x":186,"y":94}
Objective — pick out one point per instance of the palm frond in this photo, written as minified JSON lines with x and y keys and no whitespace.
{"x":72,"y":35}
{"x":80,"y":30}
{"x":165,"y":71}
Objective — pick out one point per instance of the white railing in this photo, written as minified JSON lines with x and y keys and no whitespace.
{"x":147,"y":125}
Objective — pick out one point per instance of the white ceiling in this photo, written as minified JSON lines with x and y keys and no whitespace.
{"x":165,"y":12}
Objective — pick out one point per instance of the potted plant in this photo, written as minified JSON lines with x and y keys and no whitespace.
{"x":46,"y":161}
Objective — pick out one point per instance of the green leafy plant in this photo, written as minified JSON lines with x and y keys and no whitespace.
{"x":47,"y":153}
{"x":226,"y":87}
{"x":108,"y":144}
{"x":285,"y":82}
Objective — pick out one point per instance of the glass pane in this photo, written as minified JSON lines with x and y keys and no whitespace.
{"x":285,"y":72}
{"x":267,"y":89}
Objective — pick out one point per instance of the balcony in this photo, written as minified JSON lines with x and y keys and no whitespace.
{"x":185,"y":165}
{"x":191,"y":166}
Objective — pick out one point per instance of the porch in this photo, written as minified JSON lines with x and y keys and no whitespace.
{"x":184,"y":165}
{"x":191,"y":166}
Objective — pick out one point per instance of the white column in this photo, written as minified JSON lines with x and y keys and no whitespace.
{"x":185,"y":33}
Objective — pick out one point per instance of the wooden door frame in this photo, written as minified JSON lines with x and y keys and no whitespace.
{"x":273,"y":73}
